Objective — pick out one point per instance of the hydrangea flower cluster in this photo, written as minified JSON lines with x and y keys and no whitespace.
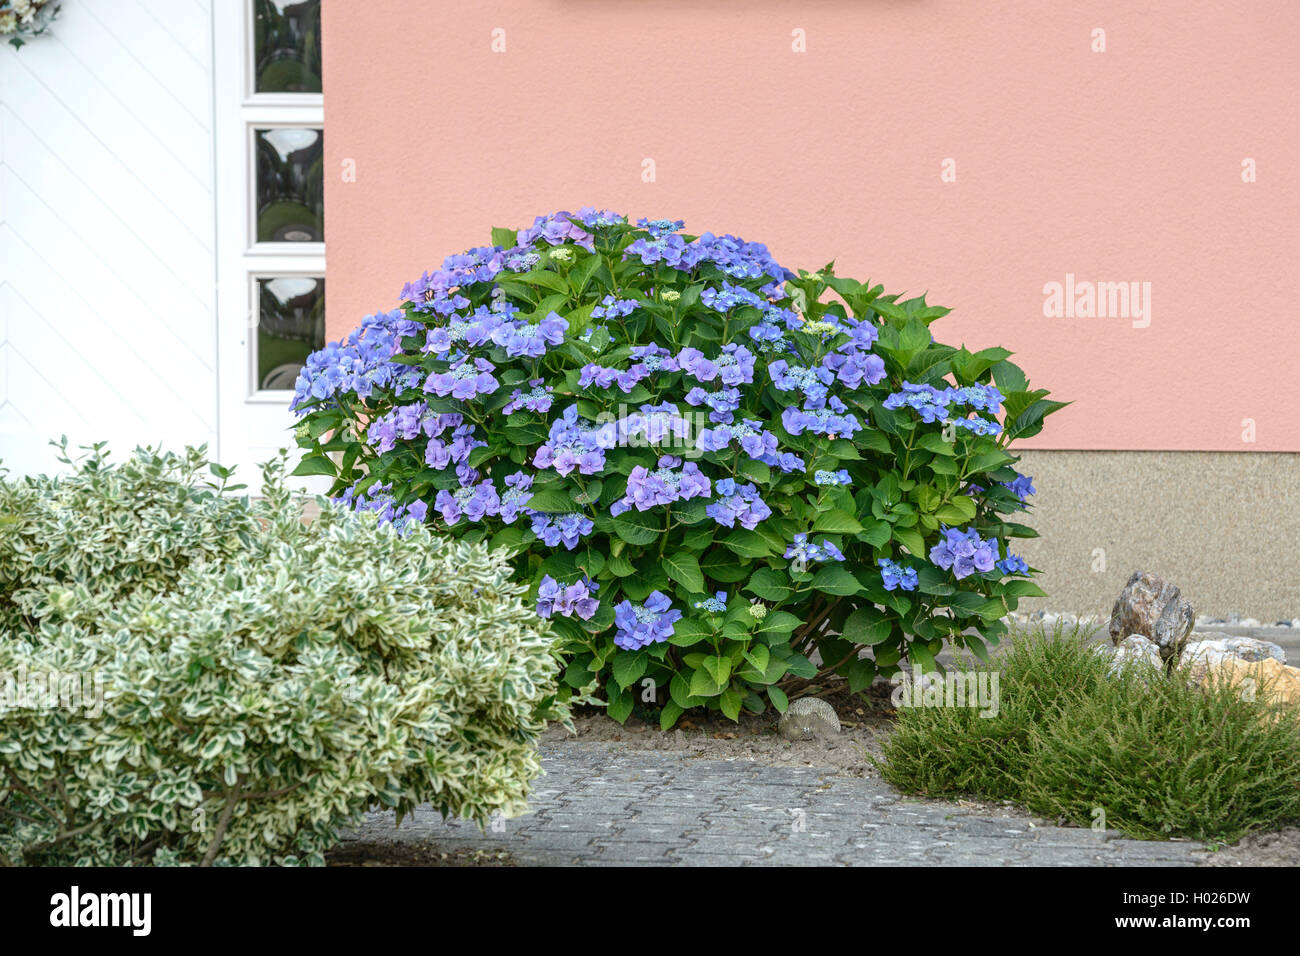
{"x":669,"y":482}
{"x":640,"y":625}
{"x":894,"y":575}
{"x":1013,"y":564}
{"x":568,"y":600}
{"x":648,"y":420}
{"x":965,"y":552}
{"x":949,"y":404}
{"x":804,"y":552}
{"x":572,"y":444}
{"x":737,"y":505}
{"x":714,"y":605}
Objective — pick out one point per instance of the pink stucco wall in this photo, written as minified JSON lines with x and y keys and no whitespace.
{"x":1123,"y":165}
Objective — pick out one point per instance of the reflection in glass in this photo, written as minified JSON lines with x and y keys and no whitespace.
{"x":290,"y":326}
{"x":290,"y":184}
{"x":286,"y":46}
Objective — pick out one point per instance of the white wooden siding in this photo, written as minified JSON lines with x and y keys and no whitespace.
{"x":107,"y":275}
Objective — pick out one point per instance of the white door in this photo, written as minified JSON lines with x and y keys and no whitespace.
{"x":107,"y":324}
{"x":269,"y":137}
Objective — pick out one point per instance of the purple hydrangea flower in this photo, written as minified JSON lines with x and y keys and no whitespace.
{"x":830,"y":421}
{"x":714,"y":605}
{"x":537,"y":399}
{"x":804,"y":552}
{"x":574,"y":444}
{"x":522,"y":338}
{"x":567,"y":529}
{"x":894,"y":575}
{"x":721,"y":404}
{"x":471,"y":502}
{"x":813,"y":383}
{"x":640,"y":625}
{"x":1013,"y":564}
{"x":964,"y":552}
{"x":519,"y":491}
{"x":463,"y":380}
{"x":737,"y":504}
{"x":648,"y":489}
{"x":573,"y":600}
{"x":854,"y":369}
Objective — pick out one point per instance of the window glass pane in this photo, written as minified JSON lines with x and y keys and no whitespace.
{"x":290,"y":184}
{"x":290,"y":326}
{"x":286,"y":46}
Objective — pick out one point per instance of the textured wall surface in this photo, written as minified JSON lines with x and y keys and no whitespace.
{"x":1223,"y":527}
{"x":106,"y":232}
{"x":825,"y":127}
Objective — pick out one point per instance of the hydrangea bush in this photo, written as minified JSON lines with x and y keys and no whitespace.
{"x":721,"y":480}
{"x":191,"y":677}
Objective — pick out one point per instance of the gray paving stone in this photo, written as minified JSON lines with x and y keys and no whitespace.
{"x":600,"y":806}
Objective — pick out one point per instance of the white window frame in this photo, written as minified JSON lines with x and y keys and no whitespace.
{"x":240,"y":260}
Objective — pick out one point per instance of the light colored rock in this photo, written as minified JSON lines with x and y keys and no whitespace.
{"x":1249,"y":622}
{"x":809,"y":718}
{"x":1154,"y":609}
{"x":1201,"y":648}
{"x":1134,"y":651}
{"x":1267,"y":680}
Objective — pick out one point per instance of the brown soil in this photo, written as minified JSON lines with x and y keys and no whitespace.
{"x":1278,"y":848}
{"x":396,"y":853}
{"x":865,"y":721}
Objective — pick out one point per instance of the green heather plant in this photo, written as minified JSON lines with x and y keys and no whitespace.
{"x":705,"y":467}
{"x":190,"y":677}
{"x":1160,"y":756}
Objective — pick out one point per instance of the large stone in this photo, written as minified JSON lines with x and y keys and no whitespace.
{"x":1203,"y":648}
{"x":1134,"y":651}
{"x":1267,"y":680}
{"x":1154,"y":609}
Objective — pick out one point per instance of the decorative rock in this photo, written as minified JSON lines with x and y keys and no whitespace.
{"x":1274,"y":682}
{"x":1134,"y":650}
{"x":1201,"y":648}
{"x":1155,"y":610}
{"x":809,"y":718}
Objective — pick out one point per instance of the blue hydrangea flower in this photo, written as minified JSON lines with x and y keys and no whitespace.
{"x":514,"y":500}
{"x":964,"y":552}
{"x":714,"y":605}
{"x":737,"y":504}
{"x":1022,"y":486}
{"x":573,"y":444}
{"x":572,"y":600}
{"x":568,"y":529}
{"x":841,"y":477}
{"x":463,"y":380}
{"x":1013,"y":564}
{"x":804,"y":552}
{"x":522,"y":338}
{"x":894,"y":575}
{"x":640,"y":625}
{"x":648,"y":489}
{"x":537,"y":399}
{"x":471,"y":502}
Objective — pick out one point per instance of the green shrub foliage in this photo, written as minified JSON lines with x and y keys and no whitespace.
{"x":1151,"y":755}
{"x":234,"y":684}
{"x":705,"y":466}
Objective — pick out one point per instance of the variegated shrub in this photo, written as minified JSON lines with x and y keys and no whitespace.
{"x":233,"y":685}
